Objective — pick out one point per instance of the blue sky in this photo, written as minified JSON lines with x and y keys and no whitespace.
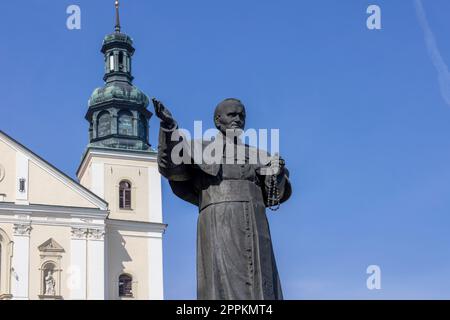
{"x":363,"y":119}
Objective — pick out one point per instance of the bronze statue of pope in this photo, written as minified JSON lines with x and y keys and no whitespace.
{"x":235,"y":258}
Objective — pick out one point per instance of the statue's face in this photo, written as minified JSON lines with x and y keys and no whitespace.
{"x":231,"y":118}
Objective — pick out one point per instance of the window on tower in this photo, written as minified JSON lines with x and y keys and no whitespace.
{"x":125,"y":195}
{"x":121,"y":66}
{"x":125,"y":123}
{"x":91,"y":129}
{"x":103,"y":124}
{"x":125,"y":285}
{"x":111,"y":62}
{"x":142,"y":127}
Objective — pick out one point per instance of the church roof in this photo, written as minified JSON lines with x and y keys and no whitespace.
{"x":92,"y":197}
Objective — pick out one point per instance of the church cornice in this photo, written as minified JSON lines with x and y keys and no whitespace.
{"x":120,"y":136}
{"x":137,"y":226}
{"x":38,"y":210}
{"x":118,"y":104}
{"x":147,"y":156}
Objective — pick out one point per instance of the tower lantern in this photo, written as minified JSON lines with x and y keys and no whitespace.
{"x":118,"y":113}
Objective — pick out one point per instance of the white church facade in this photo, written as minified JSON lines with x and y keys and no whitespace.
{"x":99,"y":237}
{"x":94,"y":248}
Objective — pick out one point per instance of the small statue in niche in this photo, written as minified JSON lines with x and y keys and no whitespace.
{"x":50,"y":284}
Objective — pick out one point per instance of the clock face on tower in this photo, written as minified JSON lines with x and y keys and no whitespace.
{"x":2,"y":172}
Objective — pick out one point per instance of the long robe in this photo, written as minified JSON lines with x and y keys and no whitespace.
{"x":235,"y":259}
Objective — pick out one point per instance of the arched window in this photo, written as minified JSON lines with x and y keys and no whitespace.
{"x":121,"y":62}
{"x":111,"y":62}
{"x":1,"y":261}
{"x":125,"y":123}
{"x":103,"y":124}
{"x":125,"y":285}
{"x":125,"y":62}
{"x":5,"y":265}
{"x":91,"y":131}
{"x":125,"y":195}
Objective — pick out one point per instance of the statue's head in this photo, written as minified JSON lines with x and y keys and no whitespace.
{"x":229,"y":115}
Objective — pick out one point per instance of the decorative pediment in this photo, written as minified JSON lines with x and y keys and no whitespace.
{"x":50,"y":246}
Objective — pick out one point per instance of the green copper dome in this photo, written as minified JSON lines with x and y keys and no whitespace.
{"x":118,"y":91}
{"x":117,"y":40}
{"x":117,"y":37}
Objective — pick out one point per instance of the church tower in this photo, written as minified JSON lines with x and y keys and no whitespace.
{"x":118,"y":114}
{"x":120,"y":166}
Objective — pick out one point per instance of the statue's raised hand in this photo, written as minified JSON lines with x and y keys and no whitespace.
{"x":163,"y":113}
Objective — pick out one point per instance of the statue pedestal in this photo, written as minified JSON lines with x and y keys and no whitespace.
{"x":50,"y":297}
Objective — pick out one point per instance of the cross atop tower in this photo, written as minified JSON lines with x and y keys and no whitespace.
{"x":117,"y":28}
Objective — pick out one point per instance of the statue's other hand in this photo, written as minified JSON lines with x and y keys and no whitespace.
{"x":275,"y":167}
{"x":163,"y":113}
{"x":277,"y":164}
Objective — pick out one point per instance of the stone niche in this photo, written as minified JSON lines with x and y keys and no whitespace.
{"x":51,"y":253}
